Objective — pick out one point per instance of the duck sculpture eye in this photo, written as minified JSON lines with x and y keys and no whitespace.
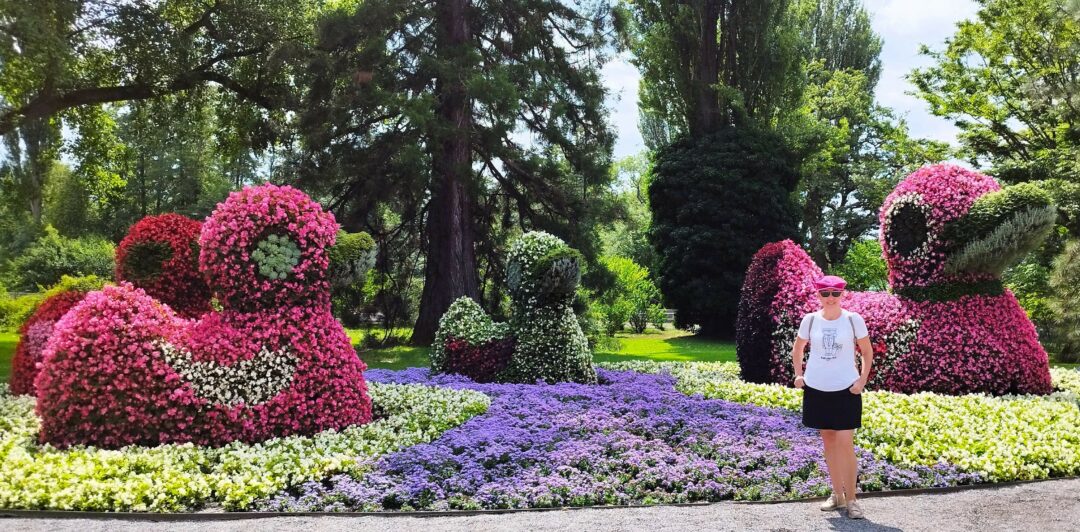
{"x":276,"y":256}
{"x":907,"y":229}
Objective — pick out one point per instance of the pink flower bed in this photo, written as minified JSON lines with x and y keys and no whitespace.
{"x":124,"y":369}
{"x":175,"y":282}
{"x":963,"y":334}
{"x":33,"y":336}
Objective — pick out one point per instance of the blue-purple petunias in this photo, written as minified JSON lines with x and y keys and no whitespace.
{"x":632,"y":439}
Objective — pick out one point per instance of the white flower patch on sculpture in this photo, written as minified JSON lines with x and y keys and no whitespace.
{"x":252,"y":381}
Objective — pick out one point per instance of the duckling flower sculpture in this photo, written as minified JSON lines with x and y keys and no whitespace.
{"x":159,"y":254}
{"x":542,"y":341}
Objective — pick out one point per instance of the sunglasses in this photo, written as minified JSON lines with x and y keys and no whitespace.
{"x":828,"y":293}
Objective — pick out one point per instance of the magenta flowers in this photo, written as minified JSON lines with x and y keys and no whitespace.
{"x":33,"y":335}
{"x":121,"y":368}
{"x":948,"y":325}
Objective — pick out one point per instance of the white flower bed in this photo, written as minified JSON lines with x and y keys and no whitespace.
{"x":182,"y":477}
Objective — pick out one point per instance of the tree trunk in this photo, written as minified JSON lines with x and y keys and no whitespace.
{"x":707,"y":71}
{"x":450,"y":270}
{"x":41,"y":139}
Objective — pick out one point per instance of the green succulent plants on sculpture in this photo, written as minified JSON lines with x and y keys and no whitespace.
{"x":543,"y":340}
{"x":276,"y":256}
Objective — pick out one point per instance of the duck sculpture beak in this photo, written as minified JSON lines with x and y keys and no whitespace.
{"x":252,"y":381}
{"x":999,"y":229}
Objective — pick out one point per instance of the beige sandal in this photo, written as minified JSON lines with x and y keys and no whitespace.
{"x":832,"y":503}
{"x":854,"y":511}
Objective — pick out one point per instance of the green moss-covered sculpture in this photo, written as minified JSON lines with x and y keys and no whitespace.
{"x":543,"y":340}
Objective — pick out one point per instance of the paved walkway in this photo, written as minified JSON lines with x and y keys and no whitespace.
{"x":1042,"y":506}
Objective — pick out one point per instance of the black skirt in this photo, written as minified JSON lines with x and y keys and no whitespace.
{"x":839,"y":410}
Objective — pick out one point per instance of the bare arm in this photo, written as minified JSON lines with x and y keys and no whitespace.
{"x":866,"y":351}
{"x":797,"y":360}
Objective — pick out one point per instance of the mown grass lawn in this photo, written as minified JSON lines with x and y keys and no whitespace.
{"x":8,"y":341}
{"x":662,"y":346}
{"x":667,"y":346}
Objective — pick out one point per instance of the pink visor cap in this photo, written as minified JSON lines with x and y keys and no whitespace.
{"x":830,"y":281}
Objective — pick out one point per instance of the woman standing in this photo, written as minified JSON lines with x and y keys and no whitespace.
{"x":832,"y":386}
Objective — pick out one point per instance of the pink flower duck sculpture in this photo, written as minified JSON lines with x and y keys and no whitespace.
{"x":121,"y":368}
{"x":948,"y":325}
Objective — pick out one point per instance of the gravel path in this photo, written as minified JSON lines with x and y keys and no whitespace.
{"x":1042,"y":506}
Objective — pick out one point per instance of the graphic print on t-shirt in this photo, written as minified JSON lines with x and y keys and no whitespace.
{"x":828,"y":341}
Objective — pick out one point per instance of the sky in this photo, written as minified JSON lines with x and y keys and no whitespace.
{"x":902,"y":24}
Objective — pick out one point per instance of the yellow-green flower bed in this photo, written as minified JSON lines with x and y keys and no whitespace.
{"x":1005,"y":438}
{"x":172,"y":478}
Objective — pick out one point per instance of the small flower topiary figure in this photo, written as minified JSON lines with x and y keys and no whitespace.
{"x":543,"y":340}
{"x":160,"y":254}
{"x":35,"y":333}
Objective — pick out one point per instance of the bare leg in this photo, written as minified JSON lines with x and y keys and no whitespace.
{"x":833,"y":461}
{"x":845,"y":450}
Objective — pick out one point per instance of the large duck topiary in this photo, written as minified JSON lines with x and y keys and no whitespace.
{"x":947,"y":325}
{"x":122,"y":368}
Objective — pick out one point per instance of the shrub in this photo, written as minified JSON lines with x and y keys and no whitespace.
{"x":53,"y":256}
{"x":715,"y":201}
{"x":630,"y":297}
{"x":160,"y":254}
{"x":351,"y":256}
{"x":1065,"y":301}
{"x":864,"y":267}
{"x":351,"y":259}
{"x":614,"y":315}
{"x":14,"y":311}
{"x":657,"y":316}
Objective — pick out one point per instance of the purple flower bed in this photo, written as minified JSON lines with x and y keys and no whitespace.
{"x":633,"y":439}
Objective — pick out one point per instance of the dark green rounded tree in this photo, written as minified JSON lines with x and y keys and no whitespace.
{"x":715,"y":201}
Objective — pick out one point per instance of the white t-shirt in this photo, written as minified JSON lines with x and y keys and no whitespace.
{"x":831,"y":363}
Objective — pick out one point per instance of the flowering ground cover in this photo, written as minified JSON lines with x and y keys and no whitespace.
{"x":1012,"y":437}
{"x":667,"y":432}
{"x":633,"y":439}
{"x":178,"y":477}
